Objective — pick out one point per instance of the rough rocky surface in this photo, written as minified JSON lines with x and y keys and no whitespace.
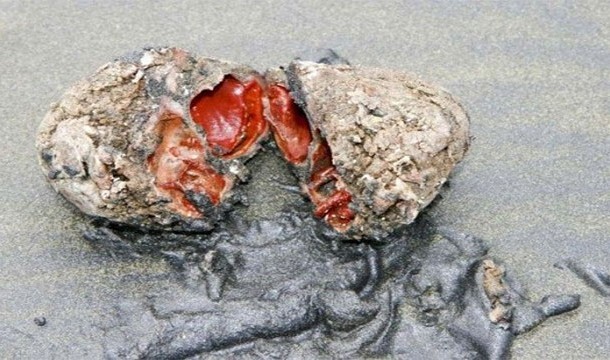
{"x":393,"y":139}
{"x":123,"y":144}
{"x":158,"y":139}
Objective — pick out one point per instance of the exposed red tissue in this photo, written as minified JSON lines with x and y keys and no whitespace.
{"x":233,"y":120}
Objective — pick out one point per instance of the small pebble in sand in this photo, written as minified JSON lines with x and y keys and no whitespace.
{"x":40,"y":321}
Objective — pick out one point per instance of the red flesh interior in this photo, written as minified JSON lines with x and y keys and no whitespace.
{"x":231,"y":115}
{"x":292,"y":135}
{"x":178,"y":165}
{"x":289,"y":125}
{"x":327,"y":191}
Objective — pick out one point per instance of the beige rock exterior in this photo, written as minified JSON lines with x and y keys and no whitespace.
{"x":123,"y":144}
{"x":96,"y":142}
{"x":394,"y":139}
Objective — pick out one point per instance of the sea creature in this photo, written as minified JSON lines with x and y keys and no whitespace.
{"x":161,"y":139}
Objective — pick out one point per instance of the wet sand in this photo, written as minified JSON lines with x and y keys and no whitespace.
{"x":535,"y":186}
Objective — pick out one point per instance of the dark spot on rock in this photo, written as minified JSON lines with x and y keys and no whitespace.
{"x":155,"y":88}
{"x":47,"y":156}
{"x":71,"y":171}
{"x":53,"y":173}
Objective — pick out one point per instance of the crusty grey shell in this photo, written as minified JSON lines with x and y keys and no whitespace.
{"x":394,"y":139}
{"x":94,"y":144}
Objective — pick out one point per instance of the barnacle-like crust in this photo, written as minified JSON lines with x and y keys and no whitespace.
{"x":393,"y":138}
{"x":159,"y":139}
{"x":97,"y":143}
